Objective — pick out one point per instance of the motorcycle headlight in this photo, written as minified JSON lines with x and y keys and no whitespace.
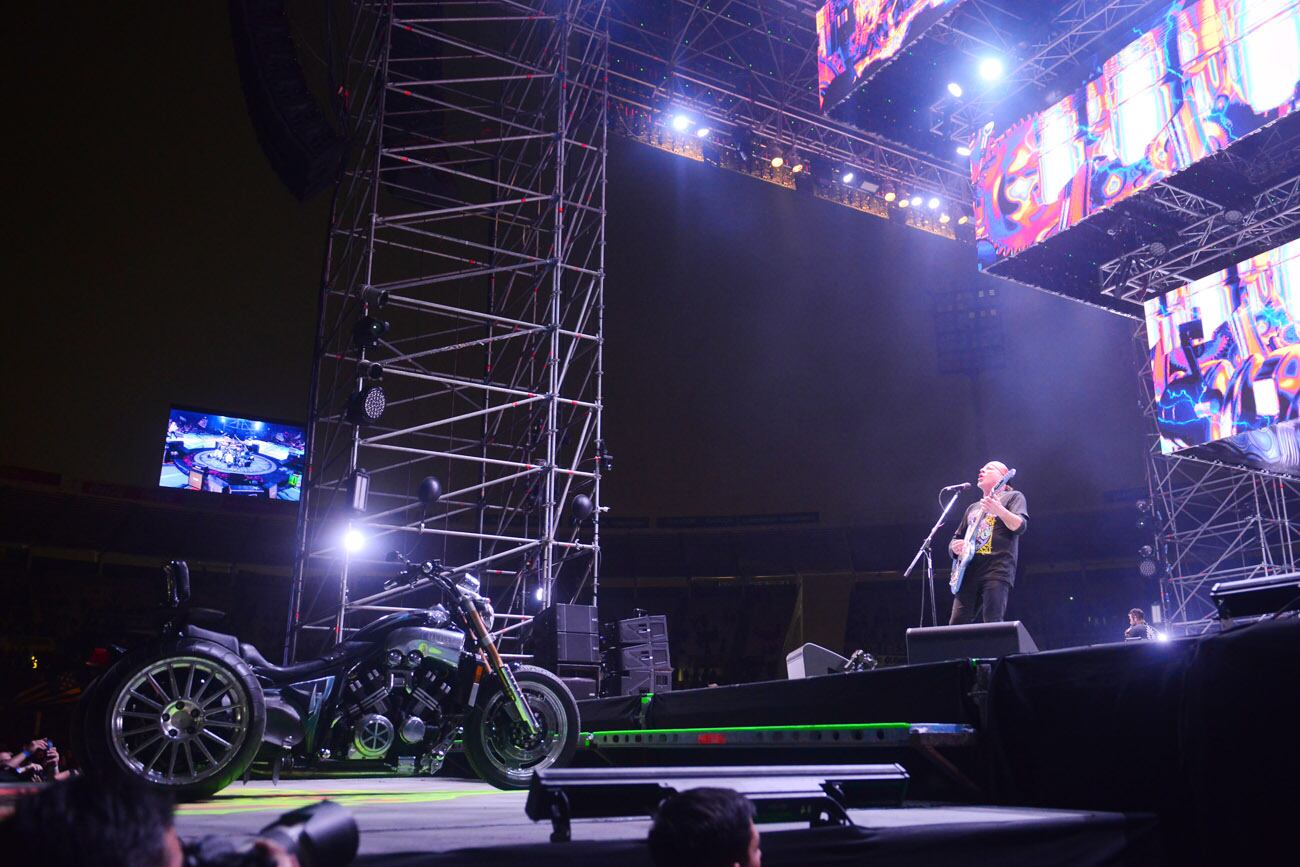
{"x":470,"y":583}
{"x":438,"y":615}
{"x":488,"y":614}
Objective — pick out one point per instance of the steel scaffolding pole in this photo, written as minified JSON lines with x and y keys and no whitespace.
{"x":464,"y":279}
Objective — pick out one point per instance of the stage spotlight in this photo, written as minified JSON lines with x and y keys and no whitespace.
{"x":890,"y":195}
{"x":367,"y":404}
{"x":963,"y":151}
{"x":933,"y":203}
{"x":916,"y":201}
{"x":847,"y":177}
{"x":353,"y":540}
{"x":374,"y":297}
{"x":368,"y":330}
{"x":797,"y":167}
{"x":680,"y":122}
{"x":943,"y":218}
{"x":703,"y":132}
{"x":1161,"y":636}
{"x":777,"y":161}
{"x":954,"y":88}
{"x":963,"y":220}
{"x":359,"y":490}
{"x":991,"y":68}
{"x":540,"y":593}
{"x":902,"y":203}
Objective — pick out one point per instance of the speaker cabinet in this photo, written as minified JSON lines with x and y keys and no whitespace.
{"x":812,"y":660}
{"x":968,"y":641}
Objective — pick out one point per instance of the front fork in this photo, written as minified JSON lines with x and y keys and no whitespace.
{"x":523,"y":712}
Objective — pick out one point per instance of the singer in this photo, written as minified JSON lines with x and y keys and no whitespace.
{"x":992,"y":573}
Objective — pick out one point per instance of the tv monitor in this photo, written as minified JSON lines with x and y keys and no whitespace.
{"x":856,"y":37}
{"x":1225,"y":358}
{"x":232,"y":455}
{"x":1209,"y":74}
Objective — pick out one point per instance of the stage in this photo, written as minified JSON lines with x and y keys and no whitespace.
{"x":411,"y":821}
{"x":1150,"y":752}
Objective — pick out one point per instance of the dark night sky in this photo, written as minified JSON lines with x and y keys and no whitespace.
{"x":765,"y":352}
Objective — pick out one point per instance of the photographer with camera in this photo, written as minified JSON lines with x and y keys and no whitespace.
{"x":106,"y":823}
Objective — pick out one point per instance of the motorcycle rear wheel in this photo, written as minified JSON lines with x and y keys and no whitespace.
{"x":498,"y":747}
{"x":187,"y":719}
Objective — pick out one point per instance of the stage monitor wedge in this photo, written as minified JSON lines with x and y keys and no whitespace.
{"x":968,"y":641}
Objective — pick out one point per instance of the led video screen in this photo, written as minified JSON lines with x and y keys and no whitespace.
{"x":206,"y":451}
{"x":1225,"y":351}
{"x":1211,"y":73}
{"x":855,"y":36}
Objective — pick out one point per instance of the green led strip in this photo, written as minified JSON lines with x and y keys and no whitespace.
{"x":819,"y":727}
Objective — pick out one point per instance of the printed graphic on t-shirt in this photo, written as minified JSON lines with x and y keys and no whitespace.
{"x":987,"y":547}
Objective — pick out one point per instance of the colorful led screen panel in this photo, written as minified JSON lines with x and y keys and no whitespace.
{"x":855,"y":36}
{"x":1211,"y":73}
{"x":1225,"y":351}
{"x":223,"y":454}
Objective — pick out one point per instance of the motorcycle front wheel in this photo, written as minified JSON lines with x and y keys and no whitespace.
{"x":499,"y":747}
{"x":187,"y":719}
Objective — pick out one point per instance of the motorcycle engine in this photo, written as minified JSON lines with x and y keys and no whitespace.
{"x":397,"y":706}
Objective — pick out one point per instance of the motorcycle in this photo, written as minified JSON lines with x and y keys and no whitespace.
{"x":191,"y":709}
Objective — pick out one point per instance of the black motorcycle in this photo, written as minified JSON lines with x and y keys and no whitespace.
{"x":191,"y":709}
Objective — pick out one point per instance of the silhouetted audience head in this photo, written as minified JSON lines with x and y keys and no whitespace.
{"x":92,"y":824}
{"x":705,"y":828}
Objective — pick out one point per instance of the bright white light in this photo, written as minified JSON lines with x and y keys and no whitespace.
{"x":963,"y":151}
{"x":943,"y":218}
{"x":991,"y":68}
{"x":916,"y":201}
{"x":847,"y":177}
{"x":1160,"y":636}
{"x":703,"y":132}
{"x":954,"y":88}
{"x":681,"y":122}
{"x":354,"y":540}
{"x":902,"y":203}
{"x":777,"y":162}
{"x":933,"y":203}
{"x":539,"y":594}
{"x":963,"y":220}
{"x":797,"y":167}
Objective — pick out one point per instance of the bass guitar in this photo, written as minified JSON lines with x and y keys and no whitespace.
{"x":978,"y":532}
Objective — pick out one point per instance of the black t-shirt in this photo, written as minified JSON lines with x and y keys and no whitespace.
{"x":1140,"y":632}
{"x":997,"y":557}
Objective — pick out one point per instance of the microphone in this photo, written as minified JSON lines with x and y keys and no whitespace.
{"x":960,"y":487}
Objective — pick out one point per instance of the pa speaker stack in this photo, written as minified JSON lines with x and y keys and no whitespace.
{"x":636,"y":659}
{"x":565,"y":639}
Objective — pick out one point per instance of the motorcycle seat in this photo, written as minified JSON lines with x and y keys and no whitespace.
{"x":285,"y":674}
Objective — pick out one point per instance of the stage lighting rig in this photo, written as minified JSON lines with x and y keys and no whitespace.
{"x":963,"y":151}
{"x":374,"y":297}
{"x":933,"y":203}
{"x":916,"y":201}
{"x":368,"y":331}
{"x":778,"y":161}
{"x":680,"y":122}
{"x":703,"y":132}
{"x":367,"y":404}
{"x":353,"y":540}
{"x":359,"y":490}
{"x":604,"y":459}
{"x":955,"y":89}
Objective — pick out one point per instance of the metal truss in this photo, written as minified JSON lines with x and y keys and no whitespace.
{"x":1214,"y":236}
{"x":471,"y":220}
{"x":1214,"y":522}
{"x":1075,"y":28}
{"x":750,"y":67}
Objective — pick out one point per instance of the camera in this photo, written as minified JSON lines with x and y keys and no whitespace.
{"x":320,"y":835}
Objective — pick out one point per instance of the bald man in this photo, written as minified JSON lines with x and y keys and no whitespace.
{"x":991,"y":573}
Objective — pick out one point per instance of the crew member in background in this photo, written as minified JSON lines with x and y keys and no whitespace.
{"x":992,"y":571}
{"x":1138,"y":628}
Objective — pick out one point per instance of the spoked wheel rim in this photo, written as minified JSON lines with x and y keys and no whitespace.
{"x":506,"y":741}
{"x":179,"y":720}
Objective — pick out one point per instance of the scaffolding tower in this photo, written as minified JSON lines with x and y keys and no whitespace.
{"x":455,"y":408}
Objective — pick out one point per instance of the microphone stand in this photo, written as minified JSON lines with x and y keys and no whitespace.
{"x":924,"y":551}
